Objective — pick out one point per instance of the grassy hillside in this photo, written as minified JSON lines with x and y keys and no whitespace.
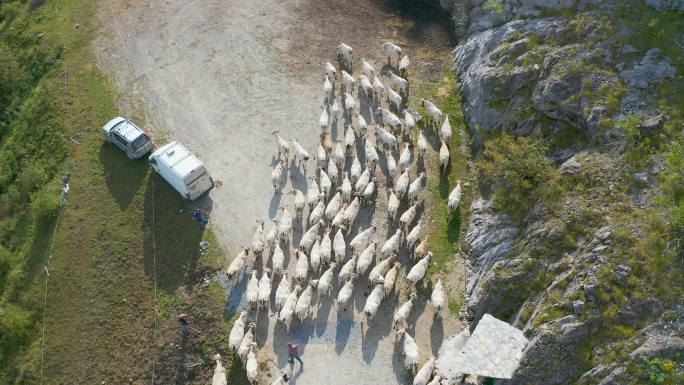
{"x":100,"y":314}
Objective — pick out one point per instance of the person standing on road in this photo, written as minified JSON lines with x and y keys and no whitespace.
{"x":293,"y":354}
{"x":197,"y":216}
{"x":184,"y":323}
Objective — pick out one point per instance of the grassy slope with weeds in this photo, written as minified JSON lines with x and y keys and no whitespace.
{"x":100,"y":305}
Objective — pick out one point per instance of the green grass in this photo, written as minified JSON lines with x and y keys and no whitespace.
{"x":100,"y":312}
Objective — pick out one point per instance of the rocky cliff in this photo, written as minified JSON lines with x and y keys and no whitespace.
{"x":592,"y":275}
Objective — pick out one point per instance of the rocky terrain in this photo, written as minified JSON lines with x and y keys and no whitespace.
{"x":591,"y":272}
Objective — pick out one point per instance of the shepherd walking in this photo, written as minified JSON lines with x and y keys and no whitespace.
{"x":293,"y":354}
{"x":184,"y":323}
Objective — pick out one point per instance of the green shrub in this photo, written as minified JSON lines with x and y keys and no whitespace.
{"x":517,"y":172}
{"x":629,"y":126}
{"x":45,"y":202}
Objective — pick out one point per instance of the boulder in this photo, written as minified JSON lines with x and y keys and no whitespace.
{"x":641,"y":177}
{"x":658,"y":345}
{"x":569,"y":167}
{"x":666,"y":5}
{"x":652,"y":125}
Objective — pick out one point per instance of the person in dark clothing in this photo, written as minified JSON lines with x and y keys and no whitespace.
{"x":197,"y":216}
{"x":184,"y":323}
{"x":293,"y":353}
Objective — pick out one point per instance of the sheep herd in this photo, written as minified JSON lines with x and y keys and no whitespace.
{"x":343,"y":186}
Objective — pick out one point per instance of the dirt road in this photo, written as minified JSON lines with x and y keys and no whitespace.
{"x":220,"y":76}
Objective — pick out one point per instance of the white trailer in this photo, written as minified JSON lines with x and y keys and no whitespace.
{"x":182,"y":170}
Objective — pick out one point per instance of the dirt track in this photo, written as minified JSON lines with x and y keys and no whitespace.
{"x":220,"y":77}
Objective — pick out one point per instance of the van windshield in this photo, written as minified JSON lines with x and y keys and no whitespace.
{"x":140,"y":142}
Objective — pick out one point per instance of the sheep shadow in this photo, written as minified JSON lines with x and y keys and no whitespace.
{"x":323,"y":313}
{"x":436,"y":334}
{"x":262,"y":320}
{"x":235,"y":292}
{"x":375,"y":332}
{"x":342,"y":333}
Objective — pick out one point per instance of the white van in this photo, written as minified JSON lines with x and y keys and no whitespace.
{"x":182,"y":170}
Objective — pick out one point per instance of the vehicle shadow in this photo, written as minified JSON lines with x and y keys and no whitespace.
{"x":171,"y":238}
{"x":123,"y":176}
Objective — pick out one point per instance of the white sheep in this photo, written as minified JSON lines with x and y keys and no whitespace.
{"x":404,"y":311}
{"x":399,"y":82}
{"x":372,"y":157}
{"x":391,"y":245}
{"x":404,"y":66}
{"x":368,"y":69}
{"x":237,"y":332}
{"x":386,"y":138}
{"x":246,"y":342}
{"x":437,"y":380}
{"x":391,"y":278}
{"x":348,"y":268}
{"x":421,"y":250}
{"x":349,"y":141}
{"x":282,"y":380}
{"x":339,"y":247}
{"x":264,"y":289}
{"x":303,"y":306}
{"x":345,"y":52}
{"x":278,"y":260}
{"x":355,"y":169}
{"x":378,"y":89}
{"x":437,"y":297}
{"x":219,"y":377}
{"x":237,"y":266}
{"x":327,"y":88}
{"x":338,"y":220}
{"x":346,"y":188}
{"x":422,"y":144}
{"x":299,"y":203}
{"x":425,"y":372}
{"x":334,"y":205}
{"x":389,"y":118}
{"x":309,"y":238}
{"x":252,"y":366}
{"x":366,"y":258}
{"x":415,"y":187}
{"x":288,"y":309}
{"x":315,"y":255}
{"x":283,"y":147}
{"x":369,"y":190}
{"x":325,"y":282}
{"x":345,"y":293}
{"x":391,"y":165}
{"x":325,"y":182}
{"x":340,"y":154}
{"x":302,"y":266}
{"x":333,"y":172}
{"x":363,"y":180}
{"x":326,"y":247}
{"x":300,"y":153}
{"x":409,"y":122}
{"x":418,"y":270}
{"x":285,"y":227}
{"x":252,"y":292}
{"x":257,"y":245}
{"x":330,"y":71}
{"x":405,"y":157}
{"x":282,"y":292}
{"x":317,"y":213}
{"x":408,"y":216}
{"x":324,"y":119}
{"x":362,"y":124}
{"x":444,"y":156}
{"x":313,"y":195}
{"x":366,"y":86}
{"x":414,"y":235}
{"x":272,"y":236}
{"x":351,"y":213}
{"x":277,"y":175}
{"x":335,"y":111}
{"x":454,"y":198}
{"x":392,"y":51}
{"x":380,"y":270}
{"x":392,"y":205}
{"x":321,"y":155}
{"x":445,"y":131}
{"x":395,"y":98}
{"x":434,"y":112}
{"x":410,"y":350}
{"x":374,"y":299}
{"x":348,"y":81}
{"x":362,"y":239}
